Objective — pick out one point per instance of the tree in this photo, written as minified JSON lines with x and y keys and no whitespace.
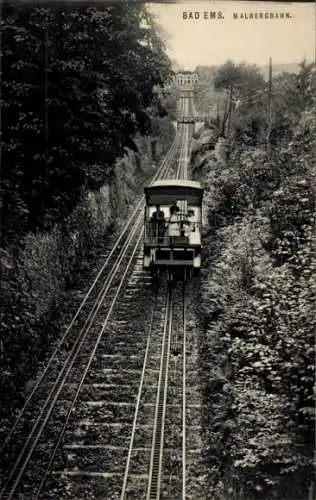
{"x":239,"y":82}
{"x":292,"y":94}
{"x":78,"y":83}
{"x":259,"y":294}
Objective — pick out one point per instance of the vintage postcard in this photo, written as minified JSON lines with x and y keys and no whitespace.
{"x":157,"y":262}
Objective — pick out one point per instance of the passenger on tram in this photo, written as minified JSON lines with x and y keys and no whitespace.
{"x":174,"y":208}
{"x":173,"y":227}
{"x":189,"y":224}
{"x":158,"y":224}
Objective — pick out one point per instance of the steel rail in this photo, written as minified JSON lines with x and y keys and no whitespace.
{"x":182,"y":148}
{"x":183,"y":144}
{"x":72,"y":357}
{"x":155,"y":469}
{"x":68,"y":364}
{"x":67,"y":419}
{"x":140,"y":389}
{"x":105,"y":323}
{"x":75,"y":350}
{"x":182,"y":170}
{"x":180,"y":160}
{"x":161,"y":171}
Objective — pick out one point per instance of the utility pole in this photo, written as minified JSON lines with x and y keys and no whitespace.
{"x":225,"y":113}
{"x":269,"y":109}
{"x":230,"y":110}
{"x":217,"y":113}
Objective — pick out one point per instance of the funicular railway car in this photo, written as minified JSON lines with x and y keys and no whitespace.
{"x":172,"y":238}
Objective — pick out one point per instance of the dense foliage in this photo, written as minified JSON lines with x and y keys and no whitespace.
{"x":82,"y":127}
{"x":259,"y":297}
{"x":77,"y":84}
{"x":205,"y":95}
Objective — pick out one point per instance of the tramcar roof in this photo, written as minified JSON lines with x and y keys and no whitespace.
{"x":165,"y":192}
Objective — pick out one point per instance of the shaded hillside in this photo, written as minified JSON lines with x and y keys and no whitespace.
{"x":83,"y":130}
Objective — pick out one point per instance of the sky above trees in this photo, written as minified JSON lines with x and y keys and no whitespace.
{"x":194,"y":42}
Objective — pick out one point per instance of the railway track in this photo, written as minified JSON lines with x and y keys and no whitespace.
{"x":64,"y":360}
{"x":164,"y":439}
{"x":167,"y":467}
{"x":74,"y":369}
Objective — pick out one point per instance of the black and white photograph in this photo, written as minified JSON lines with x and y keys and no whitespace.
{"x":157,"y":250}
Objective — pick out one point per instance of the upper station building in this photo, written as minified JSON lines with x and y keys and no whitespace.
{"x":186,"y":78}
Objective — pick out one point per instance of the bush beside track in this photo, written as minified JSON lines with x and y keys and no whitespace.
{"x":258,"y":293}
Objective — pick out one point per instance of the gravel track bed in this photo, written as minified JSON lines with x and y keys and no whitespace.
{"x":114,"y":343}
{"x":89,"y":460}
{"x":92,"y":460}
{"x":80,"y":487}
{"x":108,"y":412}
{"x":109,"y":392}
{"x":172,"y":455}
{"x":105,"y":410}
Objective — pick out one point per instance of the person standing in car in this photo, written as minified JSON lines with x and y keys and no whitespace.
{"x":173,"y":227}
{"x":158,"y":223}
